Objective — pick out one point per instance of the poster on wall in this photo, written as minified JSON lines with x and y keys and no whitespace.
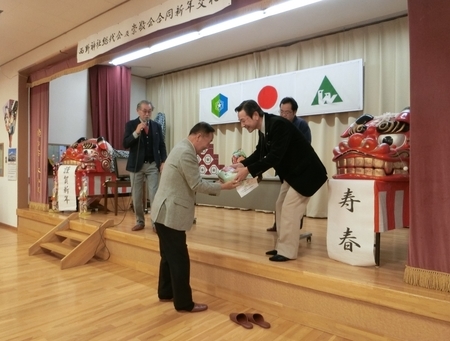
{"x":327,"y":89}
{"x":12,"y":164}
{"x":10,"y":117}
{"x":1,"y":160}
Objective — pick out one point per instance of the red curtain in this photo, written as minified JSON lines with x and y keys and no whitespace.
{"x":110,"y":90}
{"x":429,"y":251}
{"x":39,"y":117}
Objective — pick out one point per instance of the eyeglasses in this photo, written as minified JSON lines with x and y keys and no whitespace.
{"x":146,"y":111}
{"x":286,"y":112}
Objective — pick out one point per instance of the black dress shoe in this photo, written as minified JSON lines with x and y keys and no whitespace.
{"x":278,"y":258}
{"x":273,"y":228}
{"x":271,"y":252}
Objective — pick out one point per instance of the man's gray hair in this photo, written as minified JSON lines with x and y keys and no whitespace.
{"x":144,"y":101}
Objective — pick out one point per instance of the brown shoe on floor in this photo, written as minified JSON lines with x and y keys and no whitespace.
{"x":137,"y":227}
{"x":197,"y":307}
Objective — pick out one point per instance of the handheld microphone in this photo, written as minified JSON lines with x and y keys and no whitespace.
{"x":146,"y":123}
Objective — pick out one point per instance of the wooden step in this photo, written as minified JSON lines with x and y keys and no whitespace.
{"x":73,"y":239}
{"x":73,"y":235}
{"x":82,"y":226}
{"x":62,"y":249}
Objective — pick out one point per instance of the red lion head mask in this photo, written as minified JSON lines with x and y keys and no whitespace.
{"x":91,"y":155}
{"x":375,"y":148}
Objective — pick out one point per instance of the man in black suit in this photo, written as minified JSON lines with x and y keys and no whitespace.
{"x":282,"y":146}
{"x":144,"y":138}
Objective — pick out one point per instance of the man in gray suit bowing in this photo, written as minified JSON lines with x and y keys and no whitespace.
{"x":173,"y":213}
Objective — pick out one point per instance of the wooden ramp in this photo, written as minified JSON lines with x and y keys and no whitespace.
{"x":75,"y":243}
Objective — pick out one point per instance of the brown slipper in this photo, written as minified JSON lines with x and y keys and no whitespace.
{"x":258,"y":319}
{"x":241,"y":319}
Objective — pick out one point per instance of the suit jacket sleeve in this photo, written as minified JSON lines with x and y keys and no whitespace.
{"x":128,"y":138}
{"x":255,"y":156}
{"x":174,"y":204}
{"x":278,"y":138}
{"x":189,"y":165}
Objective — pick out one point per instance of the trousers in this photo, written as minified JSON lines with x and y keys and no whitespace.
{"x":289,"y":211}
{"x":174,"y":268}
{"x":150,"y":173}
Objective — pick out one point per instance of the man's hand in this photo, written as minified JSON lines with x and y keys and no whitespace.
{"x":242,"y":174}
{"x":229,"y":185}
{"x":237,"y":165}
{"x":140,"y":127}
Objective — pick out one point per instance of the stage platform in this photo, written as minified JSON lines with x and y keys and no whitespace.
{"x":227,"y":249}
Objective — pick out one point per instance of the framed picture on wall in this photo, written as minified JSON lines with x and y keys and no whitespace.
{"x":2,"y":162}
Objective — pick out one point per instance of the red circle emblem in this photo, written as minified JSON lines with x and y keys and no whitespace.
{"x":267,"y":97}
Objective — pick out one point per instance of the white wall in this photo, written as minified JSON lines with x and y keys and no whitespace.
{"x":70,"y":112}
{"x":8,"y":200}
{"x":138,"y":93}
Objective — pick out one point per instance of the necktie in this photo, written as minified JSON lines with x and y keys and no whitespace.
{"x":146,"y":129}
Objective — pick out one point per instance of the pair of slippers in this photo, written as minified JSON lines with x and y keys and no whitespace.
{"x":246,"y":320}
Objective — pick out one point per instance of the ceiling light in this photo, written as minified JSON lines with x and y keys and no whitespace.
{"x":175,"y":42}
{"x":287,"y":6}
{"x":131,"y":56}
{"x":226,"y":25}
{"x":156,"y":48}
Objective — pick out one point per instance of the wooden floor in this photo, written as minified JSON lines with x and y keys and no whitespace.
{"x":244,"y":232}
{"x":104,"y":301}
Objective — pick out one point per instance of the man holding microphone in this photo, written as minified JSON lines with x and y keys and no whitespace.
{"x":144,"y":138}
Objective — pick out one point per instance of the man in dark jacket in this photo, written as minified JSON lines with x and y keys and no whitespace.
{"x":288,"y":110}
{"x":148,"y":153}
{"x":283,"y":147}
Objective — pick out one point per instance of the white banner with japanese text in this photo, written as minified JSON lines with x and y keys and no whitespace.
{"x":168,"y":13}
{"x":326,"y":89}
{"x":67,"y":190}
{"x":351,"y":216}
